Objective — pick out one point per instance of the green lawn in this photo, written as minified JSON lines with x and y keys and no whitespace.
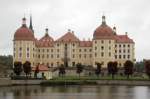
{"x":87,"y":80}
{"x":99,"y":78}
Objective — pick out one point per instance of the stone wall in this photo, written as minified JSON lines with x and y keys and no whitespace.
{"x":5,"y":81}
{"x":8,"y":82}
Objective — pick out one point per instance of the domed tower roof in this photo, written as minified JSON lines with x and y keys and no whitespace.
{"x":103,"y":31}
{"x":24,"y":33}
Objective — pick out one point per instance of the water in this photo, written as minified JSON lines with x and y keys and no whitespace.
{"x":75,"y":92}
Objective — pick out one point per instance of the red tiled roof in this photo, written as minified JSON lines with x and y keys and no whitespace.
{"x":123,"y":39}
{"x":68,"y":37}
{"x":41,"y":68}
{"x":24,"y":33}
{"x":45,"y":41}
{"x":85,"y":44}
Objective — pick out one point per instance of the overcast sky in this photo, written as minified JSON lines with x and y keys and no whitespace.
{"x":81,"y":16}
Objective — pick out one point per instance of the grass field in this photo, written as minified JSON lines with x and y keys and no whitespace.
{"x":99,"y":78}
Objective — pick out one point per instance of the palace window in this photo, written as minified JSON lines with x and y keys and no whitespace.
{"x":43,"y":56}
{"x":73,"y":44}
{"x":51,"y":64}
{"x":119,"y":51}
{"x":38,"y":56}
{"x":102,"y":41}
{"x":115,"y":56}
{"x":128,"y":51}
{"x":119,"y":45}
{"x":57,"y":55}
{"x":102,"y":54}
{"x":57,"y":44}
{"x":90,"y":55}
{"x":109,"y":54}
{"x":47,"y":55}
{"x":84,"y":50}
{"x":124,"y":51}
{"x":20,"y":49}
{"x":102,"y":47}
{"x":124,"y":56}
{"x":128,"y":56}
{"x":119,"y":56}
{"x":39,"y":50}
{"x":52,"y":56}
{"x":128,"y":45}
{"x":73,"y":50}
{"x":90,"y":50}
{"x":79,"y":50}
{"x":51,"y":50}
{"x":124,"y":45}
{"x":43,"y":50}
{"x":27,"y":48}
{"x":84,"y":55}
{"x":95,"y":54}
{"x":79,"y":55}
{"x":73,"y":56}
{"x":47,"y":50}
{"x":95,"y":48}
{"x":109,"y":41}
{"x":95,"y":42}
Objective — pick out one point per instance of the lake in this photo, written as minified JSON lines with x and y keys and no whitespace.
{"x":75,"y":92}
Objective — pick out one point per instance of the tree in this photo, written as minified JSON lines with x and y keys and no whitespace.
{"x":6,"y":62}
{"x":17,"y":68}
{"x":98,"y":69}
{"x":36,"y":71}
{"x":27,"y":68}
{"x":112,"y":68}
{"x":128,"y":68}
{"x":62,"y":71}
{"x":139,"y":66}
{"x":79,"y":67}
{"x":109,"y":67}
{"x":147,"y":68}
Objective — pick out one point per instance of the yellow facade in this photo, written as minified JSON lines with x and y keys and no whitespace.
{"x":101,"y":50}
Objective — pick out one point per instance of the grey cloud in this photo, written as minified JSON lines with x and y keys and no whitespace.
{"x":82,"y":16}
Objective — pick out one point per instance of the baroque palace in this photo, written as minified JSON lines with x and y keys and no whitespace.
{"x":105,"y":46}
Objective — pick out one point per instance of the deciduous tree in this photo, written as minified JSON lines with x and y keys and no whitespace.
{"x":147,"y":68}
{"x":98,"y":69}
{"x":62,"y":70}
{"x":17,"y":68}
{"x":128,"y":68}
{"x":112,"y":68}
{"x":36,"y":71}
{"x":79,"y":67}
{"x":27,"y":68}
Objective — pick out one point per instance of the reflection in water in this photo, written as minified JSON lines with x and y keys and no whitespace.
{"x":75,"y":92}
